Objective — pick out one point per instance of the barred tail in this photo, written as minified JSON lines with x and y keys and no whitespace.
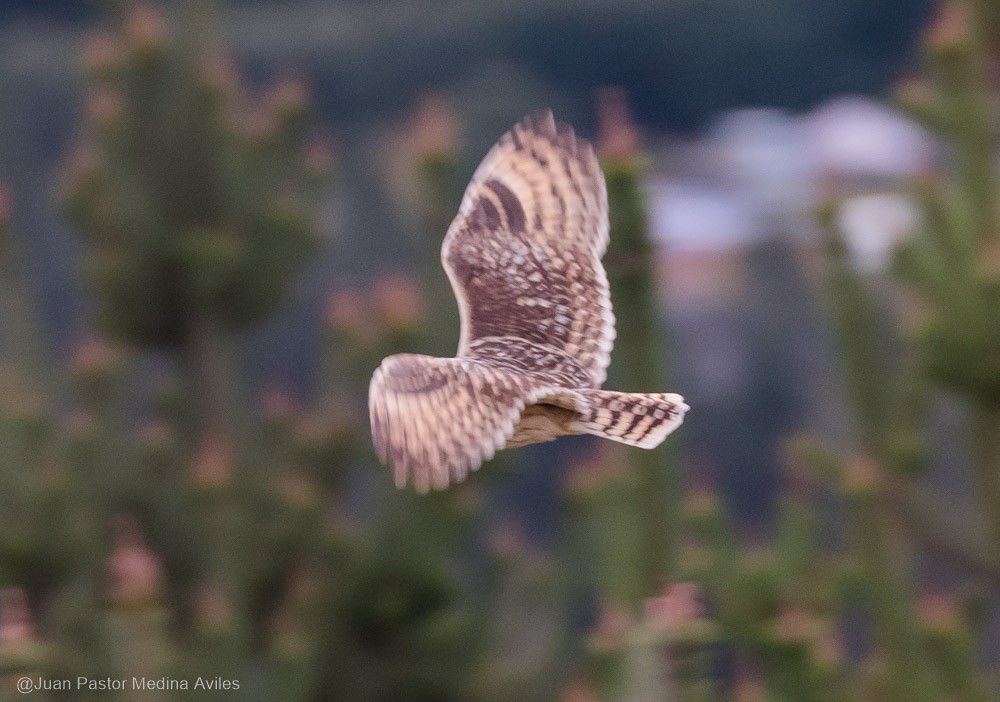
{"x":637,"y":419}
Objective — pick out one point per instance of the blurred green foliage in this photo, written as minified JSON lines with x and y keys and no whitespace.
{"x":182,"y":528}
{"x":163,"y":521}
{"x":192,"y":203}
{"x":791,"y":606}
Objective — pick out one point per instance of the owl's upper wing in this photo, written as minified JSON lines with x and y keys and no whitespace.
{"x":439,"y":418}
{"x":523,"y":254}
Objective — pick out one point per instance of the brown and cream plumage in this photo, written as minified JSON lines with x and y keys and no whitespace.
{"x":523,"y":257}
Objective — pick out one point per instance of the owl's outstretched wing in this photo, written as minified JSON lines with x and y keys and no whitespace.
{"x":523,"y":254}
{"x":439,"y":418}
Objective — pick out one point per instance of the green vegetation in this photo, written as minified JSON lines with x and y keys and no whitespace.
{"x":162,"y":519}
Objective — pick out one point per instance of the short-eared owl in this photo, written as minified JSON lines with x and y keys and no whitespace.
{"x":523,"y":257}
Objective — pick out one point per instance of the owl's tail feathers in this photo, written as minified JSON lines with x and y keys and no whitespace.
{"x":634,"y":418}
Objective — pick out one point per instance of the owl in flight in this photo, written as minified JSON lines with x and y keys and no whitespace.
{"x":524,"y":259}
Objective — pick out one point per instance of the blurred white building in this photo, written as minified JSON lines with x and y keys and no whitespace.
{"x":761,"y":172}
{"x":857,"y":139}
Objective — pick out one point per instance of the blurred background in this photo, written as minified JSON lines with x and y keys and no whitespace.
{"x":216,"y":218}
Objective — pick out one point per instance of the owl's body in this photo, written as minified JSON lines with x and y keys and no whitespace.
{"x":523,"y":256}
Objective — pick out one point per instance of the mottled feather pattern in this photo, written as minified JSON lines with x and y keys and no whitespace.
{"x":524,"y":252}
{"x":438,"y":418}
{"x":523,"y":257}
{"x":544,"y":362}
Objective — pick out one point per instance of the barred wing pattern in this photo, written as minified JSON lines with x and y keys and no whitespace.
{"x":523,"y":254}
{"x":437,"y":418}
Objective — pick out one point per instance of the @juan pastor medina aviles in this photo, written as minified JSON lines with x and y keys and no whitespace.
{"x":103,"y":684}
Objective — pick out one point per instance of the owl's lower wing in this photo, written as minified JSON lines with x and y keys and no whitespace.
{"x":439,"y":418}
